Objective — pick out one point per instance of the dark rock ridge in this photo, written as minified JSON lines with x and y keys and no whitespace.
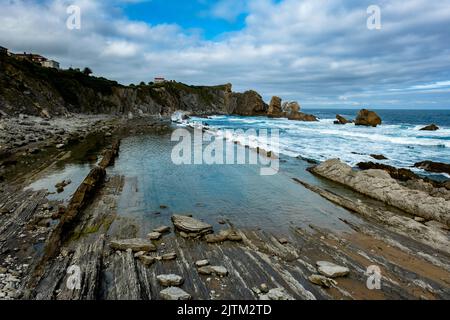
{"x":378,"y":184}
{"x":27,"y":88}
{"x":367,"y":118}
{"x":430,"y":166}
{"x":431,"y":127}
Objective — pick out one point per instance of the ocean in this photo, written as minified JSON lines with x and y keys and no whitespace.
{"x":399,"y":137}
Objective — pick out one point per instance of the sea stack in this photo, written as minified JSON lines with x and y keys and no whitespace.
{"x":275,"y":110}
{"x":367,"y":118}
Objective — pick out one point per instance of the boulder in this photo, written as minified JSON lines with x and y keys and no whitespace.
{"x":331,"y":270}
{"x":431,"y":127}
{"x":191,"y":226}
{"x":367,"y":118}
{"x":341,"y":120}
{"x":431,"y":166}
{"x":135,"y":245}
{"x":170,"y":280}
{"x":174,"y":293}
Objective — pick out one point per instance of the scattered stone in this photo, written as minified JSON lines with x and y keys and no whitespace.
{"x":154,"y":235}
{"x":191,"y":226}
{"x":221,"y":221}
{"x":264,"y":288}
{"x":331,"y":270}
{"x":223,"y":235}
{"x":283,"y":240}
{"x":60,"y":146}
{"x":322,"y":281}
{"x":256,"y":290}
{"x":276,"y":294}
{"x":174,"y":293}
{"x":431,"y":127}
{"x":218,"y":270}
{"x":133,"y":244}
{"x":419,"y":219}
{"x":169,"y":256}
{"x":163,"y":206}
{"x":169,"y":280}
{"x":162,"y":229}
{"x":147,"y":260}
{"x":201,"y":263}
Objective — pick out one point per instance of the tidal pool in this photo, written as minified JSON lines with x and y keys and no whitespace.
{"x":155,"y":188}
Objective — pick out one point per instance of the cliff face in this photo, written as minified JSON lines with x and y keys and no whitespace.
{"x":31,"y":89}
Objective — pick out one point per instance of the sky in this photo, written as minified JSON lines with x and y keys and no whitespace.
{"x":320,"y":53}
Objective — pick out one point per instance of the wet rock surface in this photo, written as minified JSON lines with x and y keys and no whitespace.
{"x":380,"y":185}
{"x":135,"y":245}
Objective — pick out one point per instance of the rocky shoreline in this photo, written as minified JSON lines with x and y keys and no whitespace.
{"x":41,"y":239}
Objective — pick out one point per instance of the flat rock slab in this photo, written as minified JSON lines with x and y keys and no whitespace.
{"x":190,"y":225}
{"x":322,"y":281}
{"x":174,"y":293}
{"x":135,"y":245}
{"x":201,"y":263}
{"x":276,"y":294}
{"x":170,"y":280}
{"x":154,"y":235}
{"x":162,"y":229}
{"x":219,"y":270}
{"x":223,"y":235}
{"x":331,"y":270}
{"x":169,"y":256}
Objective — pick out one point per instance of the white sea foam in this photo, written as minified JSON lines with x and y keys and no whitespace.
{"x":402,"y":144}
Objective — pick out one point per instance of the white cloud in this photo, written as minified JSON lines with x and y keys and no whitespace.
{"x":314,"y":51}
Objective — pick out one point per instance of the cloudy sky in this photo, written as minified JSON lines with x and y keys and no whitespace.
{"x":319,"y":52}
